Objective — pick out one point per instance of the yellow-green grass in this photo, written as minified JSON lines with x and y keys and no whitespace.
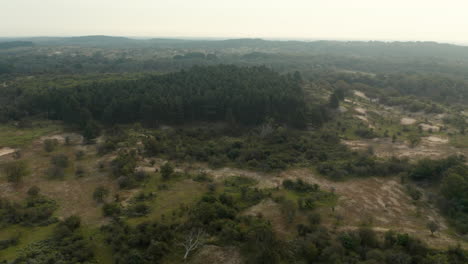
{"x":102,"y":251}
{"x":12,"y":136}
{"x":459,"y":141}
{"x":27,"y":235}
{"x":330,"y":201}
{"x":180,"y":191}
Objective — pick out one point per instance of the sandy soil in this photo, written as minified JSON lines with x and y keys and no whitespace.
{"x":360,"y":94}
{"x":427,"y":127}
{"x":360,"y":110}
{"x":363,"y":118}
{"x":5,"y":151}
{"x":407,"y":121}
{"x":74,"y":138}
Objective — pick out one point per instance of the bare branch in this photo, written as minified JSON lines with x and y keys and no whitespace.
{"x":192,"y":241}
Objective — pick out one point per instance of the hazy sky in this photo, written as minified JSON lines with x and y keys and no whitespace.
{"x":438,"y":20}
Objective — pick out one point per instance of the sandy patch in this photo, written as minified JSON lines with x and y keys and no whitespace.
{"x":360,"y":110}
{"x":435,"y":139}
{"x":427,"y":127}
{"x":360,"y":94}
{"x":74,"y":138}
{"x":363,"y":118}
{"x":6,"y":151}
{"x":407,"y":121}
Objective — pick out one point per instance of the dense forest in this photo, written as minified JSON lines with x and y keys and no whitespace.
{"x":247,"y":96}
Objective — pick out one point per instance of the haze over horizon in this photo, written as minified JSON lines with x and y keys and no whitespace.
{"x":296,"y":19}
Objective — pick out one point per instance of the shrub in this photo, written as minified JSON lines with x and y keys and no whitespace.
{"x":16,"y":170}
{"x":100,"y":194}
{"x":202,"y":177}
{"x":55,"y":173}
{"x":34,"y":191}
{"x":137,"y":210}
{"x":79,"y":154}
{"x":80,"y":171}
{"x":413,"y":192}
{"x":111,"y":209}
{"x":50,"y":145}
{"x":167,"y":171}
{"x":60,"y":160}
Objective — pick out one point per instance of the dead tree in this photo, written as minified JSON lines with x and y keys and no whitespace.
{"x":192,"y":241}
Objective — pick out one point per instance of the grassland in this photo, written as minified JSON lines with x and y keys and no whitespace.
{"x":14,"y":137}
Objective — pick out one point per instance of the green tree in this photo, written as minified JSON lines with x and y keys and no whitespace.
{"x":34,"y":191}
{"x":333,"y":101}
{"x":60,"y":160}
{"x":15,"y":171}
{"x":50,"y":145}
{"x":166,"y":171}
{"x":433,"y":227}
{"x":100,"y":194}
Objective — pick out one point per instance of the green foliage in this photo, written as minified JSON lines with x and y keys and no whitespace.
{"x":111,"y":209}
{"x":100,"y":194}
{"x":433,"y":226}
{"x":300,"y":186}
{"x":34,"y":210}
{"x":123,"y":168}
{"x":60,"y":160}
{"x":55,"y":173}
{"x":66,"y":245}
{"x":50,"y":144}
{"x":199,"y":94}
{"x":413,"y":192}
{"x":267,"y":148}
{"x":167,"y":170}
{"x":137,"y":209}
{"x":79,"y":155}
{"x":15,"y":171}
{"x":34,"y":191}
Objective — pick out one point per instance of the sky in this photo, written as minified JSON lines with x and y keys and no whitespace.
{"x":418,"y":20}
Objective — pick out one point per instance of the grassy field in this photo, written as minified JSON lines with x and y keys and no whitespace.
{"x":12,"y":136}
{"x":459,"y":141}
{"x":179,"y":191}
{"x":27,"y":235}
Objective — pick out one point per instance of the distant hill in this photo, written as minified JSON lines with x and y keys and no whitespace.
{"x":15,"y":44}
{"x":347,"y":48}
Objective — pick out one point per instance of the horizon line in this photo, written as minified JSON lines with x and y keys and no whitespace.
{"x":214,"y":38}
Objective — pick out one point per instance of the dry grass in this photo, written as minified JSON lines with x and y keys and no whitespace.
{"x":215,"y":254}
